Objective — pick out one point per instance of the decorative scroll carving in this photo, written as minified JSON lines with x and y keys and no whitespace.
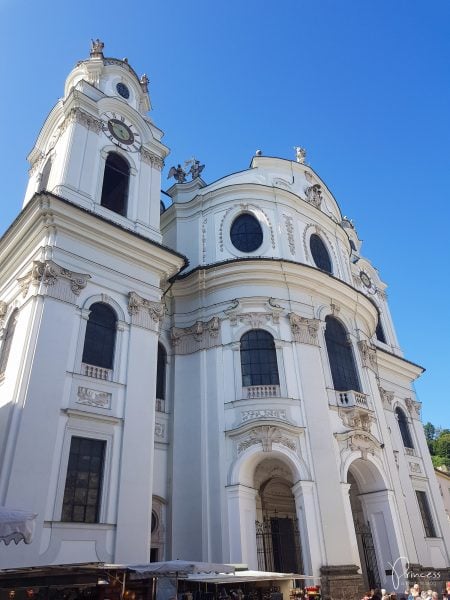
{"x":382,"y":294}
{"x":290,"y":233}
{"x":221,"y":227}
{"x":413,"y":407}
{"x":368,"y":355}
{"x":199,"y":336}
{"x":266,"y":435}
{"x":58,"y":281}
{"x":415,"y":467}
{"x":386,"y":396}
{"x":77,"y":115}
{"x":358,"y":440}
{"x":254,"y":319}
{"x":267,"y":413}
{"x":396,"y":459}
{"x":3,"y":309}
{"x":145,"y":313}
{"x":36,"y":164}
{"x":151,"y":159}
{"x":160,"y":430}
{"x":335,"y":309}
{"x":304,"y":330}
{"x":314,"y":195}
{"x":93,"y":397}
{"x":356,"y":418}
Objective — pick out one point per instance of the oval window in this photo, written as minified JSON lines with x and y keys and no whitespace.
{"x":246,"y":233}
{"x":320,"y":253}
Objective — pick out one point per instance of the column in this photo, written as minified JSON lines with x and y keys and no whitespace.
{"x":241,"y":502}
{"x":309,"y":526}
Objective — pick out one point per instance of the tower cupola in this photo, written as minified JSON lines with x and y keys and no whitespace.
{"x":99,"y":148}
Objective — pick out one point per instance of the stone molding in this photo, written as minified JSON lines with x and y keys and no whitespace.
{"x":245,"y":207}
{"x":368,"y":355}
{"x":357,"y":440}
{"x":415,"y":467}
{"x":413,"y":407}
{"x":3,"y":311}
{"x":204,"y":222}
{"x":266,"y":436}
{"x":387,"y":397}
{"x":304,"y":330}
{"x":255,"y":319}
{"x":313,"y":195}
{"x":267,"y":413}
{"x":77,"y":115}
{"x":199,"y":336}
{"x":145,"y":313}
{"x":151,"y":159}
{"x":288,"y":221}
{"x":56,"y":281}
{"x":36,"y":164}
{"x":94,"y":398}
{"x":160,"y":432}
{"x":356,"y":418}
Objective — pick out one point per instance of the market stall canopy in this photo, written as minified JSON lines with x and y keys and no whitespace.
{"x":176,"y":568}
{"x":16,"y":525}
{"x":243,"y":576}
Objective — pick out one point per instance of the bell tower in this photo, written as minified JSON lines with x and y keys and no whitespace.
{"x":99,"y":149}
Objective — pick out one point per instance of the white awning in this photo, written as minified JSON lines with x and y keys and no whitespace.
{"x":243,"y":576}
{"x":177,"y":568}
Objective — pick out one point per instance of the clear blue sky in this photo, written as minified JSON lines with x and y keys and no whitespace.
{"x":363,"y":85}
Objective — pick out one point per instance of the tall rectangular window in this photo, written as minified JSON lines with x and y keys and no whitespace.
{"x":82,"y":491}
{"x":426,"y":514}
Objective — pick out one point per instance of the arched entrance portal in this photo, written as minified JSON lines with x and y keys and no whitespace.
{"x":277,"y":533}
{"x":370,"y":502}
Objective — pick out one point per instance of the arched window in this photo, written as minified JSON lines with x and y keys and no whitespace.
{"x":115,"y":184}
{"x":404,"y":428}
{"x":7,"y":341}
{"x":45,"y":175}
{"x":379,"y":332}
{"x":258,"y":359}
{"x":161,"y":374}
{"x":319,"y":253}
{"x":340,"y":355}
{"x":100,"y":336}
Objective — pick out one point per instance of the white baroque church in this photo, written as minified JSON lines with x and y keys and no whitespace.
{"x":218,"y":379}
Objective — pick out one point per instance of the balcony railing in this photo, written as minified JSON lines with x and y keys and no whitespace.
{"x":97,"y":372}
{"x":351,"y":399}
{"x":261,"y":391}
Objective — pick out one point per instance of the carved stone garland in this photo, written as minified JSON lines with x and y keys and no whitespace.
{"x":266,"y":435}
{"x":413,"y":407}
{"x":358,"y":440}
{"x":150,"y":158}
{"x":304,"y":330}
{"x":77,"y":115}
{"x":387,"y":397}
{"x":145,"y":313}
{"x":288,"y":221}
{"x":58,"y":281}
{"x":368,"y":355}
{"x":199,"y":336}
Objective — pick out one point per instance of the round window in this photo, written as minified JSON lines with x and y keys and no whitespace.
{"x":320,"y":253}
{"x":123,"y":90}
{"x":246,"y":233}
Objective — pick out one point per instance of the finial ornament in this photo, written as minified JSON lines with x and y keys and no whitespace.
{"x":97,"y":48}
{"x":196,"y":167}
{"x":144,"y":82}
{"x":258,"y":153}
{"x":300,"y":154}
{"x":178,"y":173}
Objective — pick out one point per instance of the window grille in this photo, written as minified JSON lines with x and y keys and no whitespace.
{"x":246,"y":234}
{"x":319,"y":253}
{"x":100,"y":336}
{"x":258,"y":359}
{"x":425,"y":511}
{"x":340,"y":355}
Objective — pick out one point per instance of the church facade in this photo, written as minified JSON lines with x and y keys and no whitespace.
{"x":218,"y":379}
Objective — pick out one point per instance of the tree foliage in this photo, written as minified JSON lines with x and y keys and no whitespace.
{"x":438,"y":441}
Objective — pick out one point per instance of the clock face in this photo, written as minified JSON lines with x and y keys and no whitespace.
{"x":120,"y":132}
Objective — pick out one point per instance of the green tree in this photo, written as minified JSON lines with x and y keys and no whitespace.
{"x":430,"y":431}
{"x":442,"y":447}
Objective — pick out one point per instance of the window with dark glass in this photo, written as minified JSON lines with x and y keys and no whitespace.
{"x":404,"y":428}
{"x":45,"y":175}
{"x":340,"y":355}
{"x":82,"y":492}
{"x":379,"y":332}
{"x":115,"y":184}
{"x":258,"y":359}
{"x":7,"y":341}
{"x":246,"y":234}
{"x":352,"y":245}
{"x":100,"y":336}
{"x":425,"y":511}
{"x":319,"y":253}
{"x":161,"y":373}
